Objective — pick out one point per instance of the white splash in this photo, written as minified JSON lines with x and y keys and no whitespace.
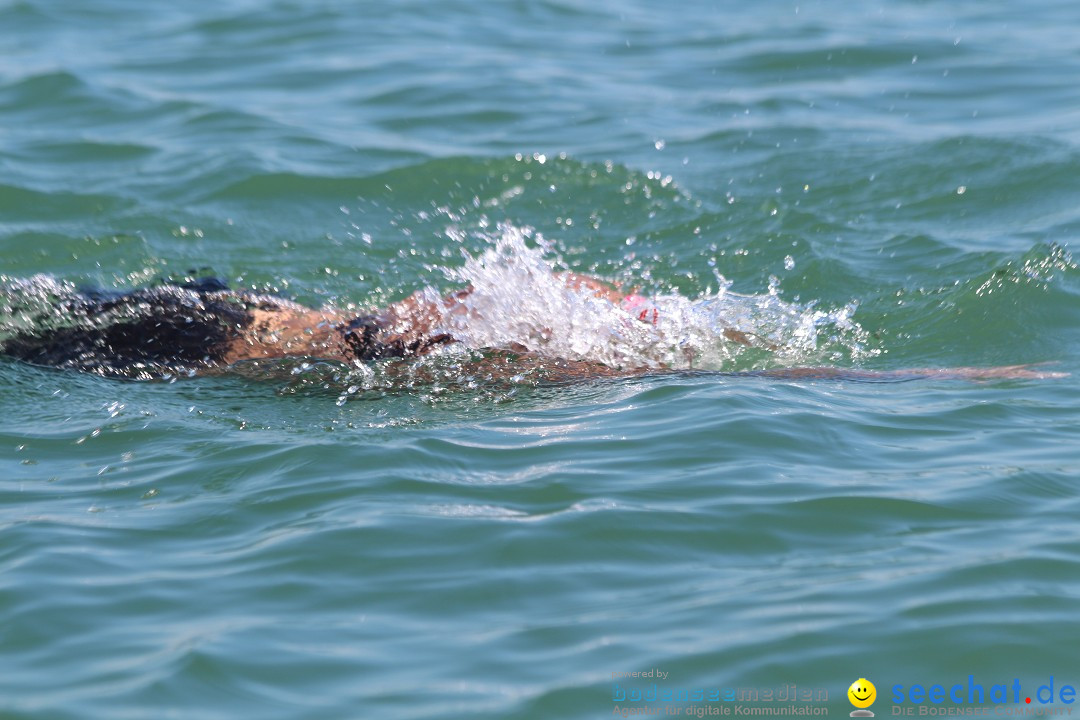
{"x":519,"y":298}
{"x":31,"y":303}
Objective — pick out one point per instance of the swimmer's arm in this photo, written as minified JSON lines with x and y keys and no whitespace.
{"x":601,"y":289}
{"x":612,"y":293}
{"x":1001,"y":372}
{"x":291,"y":332}
{"x":419,"y":315}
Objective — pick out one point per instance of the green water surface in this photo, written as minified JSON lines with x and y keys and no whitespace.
{"x":238,"y":547}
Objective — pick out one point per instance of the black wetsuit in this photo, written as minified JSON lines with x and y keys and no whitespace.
{"x":143,"y":331}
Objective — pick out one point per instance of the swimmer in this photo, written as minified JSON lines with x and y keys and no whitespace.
{"x":202,"y":325}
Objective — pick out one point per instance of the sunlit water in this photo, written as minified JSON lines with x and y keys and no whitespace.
{"x":874,"y":186}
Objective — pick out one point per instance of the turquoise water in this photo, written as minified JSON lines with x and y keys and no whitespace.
{"x":275,"y":546}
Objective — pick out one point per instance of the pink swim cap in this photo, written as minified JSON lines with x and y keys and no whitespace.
{"x":641,"y":307}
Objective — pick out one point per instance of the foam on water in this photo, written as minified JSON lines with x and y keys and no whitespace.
{"x":520,"y":298}
{"x":32,"y":303}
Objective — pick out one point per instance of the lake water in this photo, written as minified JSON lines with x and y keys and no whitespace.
{"x":902,"y":177}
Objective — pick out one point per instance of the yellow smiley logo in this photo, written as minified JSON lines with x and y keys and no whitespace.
{"x":862,"y":693}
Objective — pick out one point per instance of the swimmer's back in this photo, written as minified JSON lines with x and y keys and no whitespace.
{"x":131,"y":333}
